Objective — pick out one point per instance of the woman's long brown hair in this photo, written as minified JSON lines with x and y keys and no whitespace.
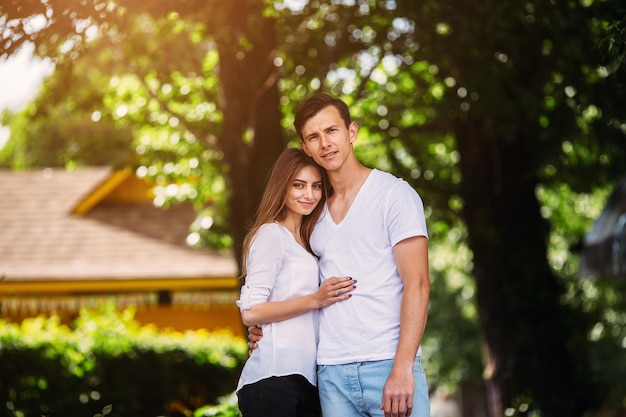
{"x":272,"y":207}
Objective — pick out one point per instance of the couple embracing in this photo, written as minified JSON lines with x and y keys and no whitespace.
{"x":336,"y":282}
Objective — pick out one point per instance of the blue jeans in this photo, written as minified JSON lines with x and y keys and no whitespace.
{"x":356,"y":389}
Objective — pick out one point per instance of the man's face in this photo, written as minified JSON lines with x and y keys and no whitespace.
{"x":327,"y":140}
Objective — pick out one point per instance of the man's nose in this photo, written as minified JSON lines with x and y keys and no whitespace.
{"x":324,"y":140}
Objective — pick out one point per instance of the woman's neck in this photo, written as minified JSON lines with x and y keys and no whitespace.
{"x":293,"y":224}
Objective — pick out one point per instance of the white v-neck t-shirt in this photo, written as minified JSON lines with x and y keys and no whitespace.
{"x":366,"y":327}
{"x":280,"y":269}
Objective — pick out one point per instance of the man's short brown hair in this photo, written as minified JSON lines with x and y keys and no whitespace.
{"x":314,"y":104}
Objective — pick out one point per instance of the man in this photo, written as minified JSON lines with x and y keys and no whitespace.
{"x":373,"y":230}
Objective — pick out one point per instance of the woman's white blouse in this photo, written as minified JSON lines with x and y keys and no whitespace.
{"x":280,"y":269}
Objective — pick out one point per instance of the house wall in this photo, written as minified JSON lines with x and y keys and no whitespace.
{"x":181,"y":318}
{"x":177,"y":310}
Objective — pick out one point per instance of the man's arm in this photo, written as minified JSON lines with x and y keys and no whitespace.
{"x":411,"y":256}
{"x":255,"y":334}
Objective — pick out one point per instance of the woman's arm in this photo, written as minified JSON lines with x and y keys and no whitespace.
{"x":272,"y":311}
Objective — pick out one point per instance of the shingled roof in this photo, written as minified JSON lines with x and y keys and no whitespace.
{"x":42,"y":239}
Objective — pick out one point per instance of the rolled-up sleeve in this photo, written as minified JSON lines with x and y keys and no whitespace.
{"x":264,"y":263}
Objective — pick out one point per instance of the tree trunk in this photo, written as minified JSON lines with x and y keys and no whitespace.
{"x":253,"y":136}
{"x":524,"y":329}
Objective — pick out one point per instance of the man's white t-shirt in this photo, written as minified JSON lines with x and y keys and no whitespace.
{"x":280,"y":269}
{"x":366,"y":327}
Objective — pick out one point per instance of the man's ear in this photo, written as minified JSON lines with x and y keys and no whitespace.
{"x":353,"y":128}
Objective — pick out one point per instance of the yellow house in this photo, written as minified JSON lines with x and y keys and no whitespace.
{"x":72,"y":239}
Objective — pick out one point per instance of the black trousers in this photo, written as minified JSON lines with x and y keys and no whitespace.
{"x":280,"y":396}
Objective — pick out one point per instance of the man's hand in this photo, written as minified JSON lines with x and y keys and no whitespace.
{"x":398,"y":394}
{"x":255,"y":334}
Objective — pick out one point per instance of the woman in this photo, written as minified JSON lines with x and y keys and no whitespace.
{"x":281,"y":293}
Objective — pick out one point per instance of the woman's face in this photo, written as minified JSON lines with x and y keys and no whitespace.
{"x":305,"y":191}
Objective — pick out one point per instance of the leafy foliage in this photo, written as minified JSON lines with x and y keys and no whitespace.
{"x":227,"y":407}
{"x":506,"y":117}
{"x":108,"y":360}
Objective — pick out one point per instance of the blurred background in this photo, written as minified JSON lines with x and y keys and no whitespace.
{"x":136,"y":138}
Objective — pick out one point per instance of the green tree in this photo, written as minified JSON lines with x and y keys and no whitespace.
{"x":59,"y":131}
{"x":239,"y":117}
{"x":503,"y":87}
{"x":480,"y":106}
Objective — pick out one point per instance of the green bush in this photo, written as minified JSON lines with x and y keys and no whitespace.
{"x":227,"y":407}
{"x":108,"y":359}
